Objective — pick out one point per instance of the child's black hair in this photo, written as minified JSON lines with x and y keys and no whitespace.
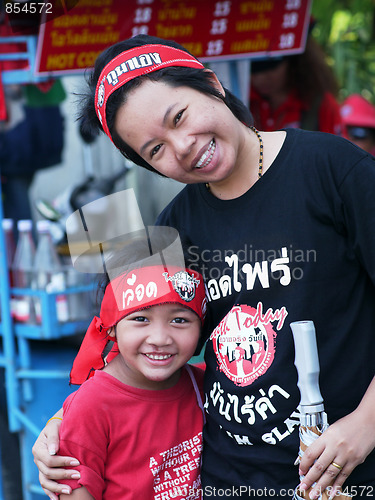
{"x":135,"y":250}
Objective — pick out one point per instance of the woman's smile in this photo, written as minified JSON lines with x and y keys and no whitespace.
{"x":182,"y":133}
{"x":206,"y":157}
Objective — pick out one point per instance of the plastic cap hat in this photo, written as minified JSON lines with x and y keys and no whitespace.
{"x":357,"y":111}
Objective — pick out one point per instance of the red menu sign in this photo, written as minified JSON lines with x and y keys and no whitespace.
{"x":209,"y":29}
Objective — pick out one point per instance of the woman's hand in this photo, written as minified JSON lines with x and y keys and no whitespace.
{"x":330,"y":459}
{"x":51,"y":466}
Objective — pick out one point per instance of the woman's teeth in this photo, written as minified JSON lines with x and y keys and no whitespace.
{"x":207,"y":156}
{"x":159,"y":356}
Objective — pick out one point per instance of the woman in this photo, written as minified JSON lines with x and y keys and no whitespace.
{"x":298,"y":91}
{"x":282,"y":224}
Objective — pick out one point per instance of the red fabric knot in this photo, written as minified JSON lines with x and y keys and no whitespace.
{"x":99,"y":324}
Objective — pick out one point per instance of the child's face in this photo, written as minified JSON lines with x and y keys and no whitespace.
{"x":154,"y":343}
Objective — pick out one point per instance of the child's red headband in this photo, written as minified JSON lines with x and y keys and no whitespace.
{"x":132,"y":63}
{"x":130,"y":292}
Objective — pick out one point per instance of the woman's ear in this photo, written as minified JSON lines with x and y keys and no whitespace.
{"x":216,"y":82}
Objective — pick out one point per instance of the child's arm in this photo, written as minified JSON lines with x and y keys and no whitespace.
{"x":78,"y":494}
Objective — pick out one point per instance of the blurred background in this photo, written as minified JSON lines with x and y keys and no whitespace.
{"x":345,"y":29}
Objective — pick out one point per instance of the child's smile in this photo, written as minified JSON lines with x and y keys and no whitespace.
{"x":154,"y":343}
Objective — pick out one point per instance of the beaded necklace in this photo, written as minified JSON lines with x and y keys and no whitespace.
{"x":260,"y":163}
{"x":260,"y":167}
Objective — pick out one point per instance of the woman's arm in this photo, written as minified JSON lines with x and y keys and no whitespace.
{"x":347,"y":443}
{"x":51,"y":466}
{"x":78,"y":494}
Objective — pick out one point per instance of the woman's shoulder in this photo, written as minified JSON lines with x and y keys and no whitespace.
{"x":326,"y":155}
{"x":321,"y":143}
{"x":180,"y":204}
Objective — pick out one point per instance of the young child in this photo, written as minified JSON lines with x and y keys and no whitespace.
{"x":136,"y":425}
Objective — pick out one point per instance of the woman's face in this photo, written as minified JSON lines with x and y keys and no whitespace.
{"x":184,"y":134}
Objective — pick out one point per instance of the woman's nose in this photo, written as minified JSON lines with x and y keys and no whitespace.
{"x":183,"y":144}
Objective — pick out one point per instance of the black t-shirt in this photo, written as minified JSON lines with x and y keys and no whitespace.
{"x":299,"y":245}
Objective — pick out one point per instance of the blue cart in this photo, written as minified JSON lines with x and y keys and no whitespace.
{"x":35,"y":359}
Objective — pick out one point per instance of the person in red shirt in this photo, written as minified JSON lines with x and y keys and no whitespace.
{"x":297,"y":91}
{"x":136,"y":422}
{"x":358,"y":115}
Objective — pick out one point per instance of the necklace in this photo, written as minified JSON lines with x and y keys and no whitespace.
{"x":260,"y":161}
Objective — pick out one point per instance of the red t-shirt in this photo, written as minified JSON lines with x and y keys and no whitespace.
{"x":290,"y":114}
{"x":134,"y":443}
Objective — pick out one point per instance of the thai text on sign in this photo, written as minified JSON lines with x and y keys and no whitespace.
{"x":211,"y":30}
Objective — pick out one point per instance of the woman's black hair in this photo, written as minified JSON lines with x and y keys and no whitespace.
{"x":197,"y":79}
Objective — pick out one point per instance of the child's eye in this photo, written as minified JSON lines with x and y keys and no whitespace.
{"x":180,"y":320}
{"x":139,"y":318}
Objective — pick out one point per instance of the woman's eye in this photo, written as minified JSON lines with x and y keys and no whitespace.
{"x":178,"y":117}
{"x":155,"y":150}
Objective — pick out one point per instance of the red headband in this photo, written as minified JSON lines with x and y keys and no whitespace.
{"x":132,"y":63}
{"x":130,"y":292}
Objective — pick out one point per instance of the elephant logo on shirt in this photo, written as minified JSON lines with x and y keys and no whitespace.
{"x":244,"y":342}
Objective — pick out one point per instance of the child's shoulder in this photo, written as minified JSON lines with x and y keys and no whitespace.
{"x":89,"y":394}
{"x":198,"y":371}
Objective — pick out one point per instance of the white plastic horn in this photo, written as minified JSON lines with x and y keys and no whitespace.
{"x":307,"y":364}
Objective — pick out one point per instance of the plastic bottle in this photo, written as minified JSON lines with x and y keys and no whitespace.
{"x":78,"y":302}
{"x":22,"y":272}
{"x":10,"y":246}
{"x":49,"y":274}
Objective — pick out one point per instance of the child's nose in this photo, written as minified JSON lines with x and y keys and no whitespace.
{"x":159,"y":335}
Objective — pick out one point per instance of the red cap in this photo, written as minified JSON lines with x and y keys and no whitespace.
{"x":358,"y":111}
{"x":130,"y":292}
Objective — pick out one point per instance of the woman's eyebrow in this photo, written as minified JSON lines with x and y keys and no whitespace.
{"x":168,"y":112}
{"x":165,"y":119}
